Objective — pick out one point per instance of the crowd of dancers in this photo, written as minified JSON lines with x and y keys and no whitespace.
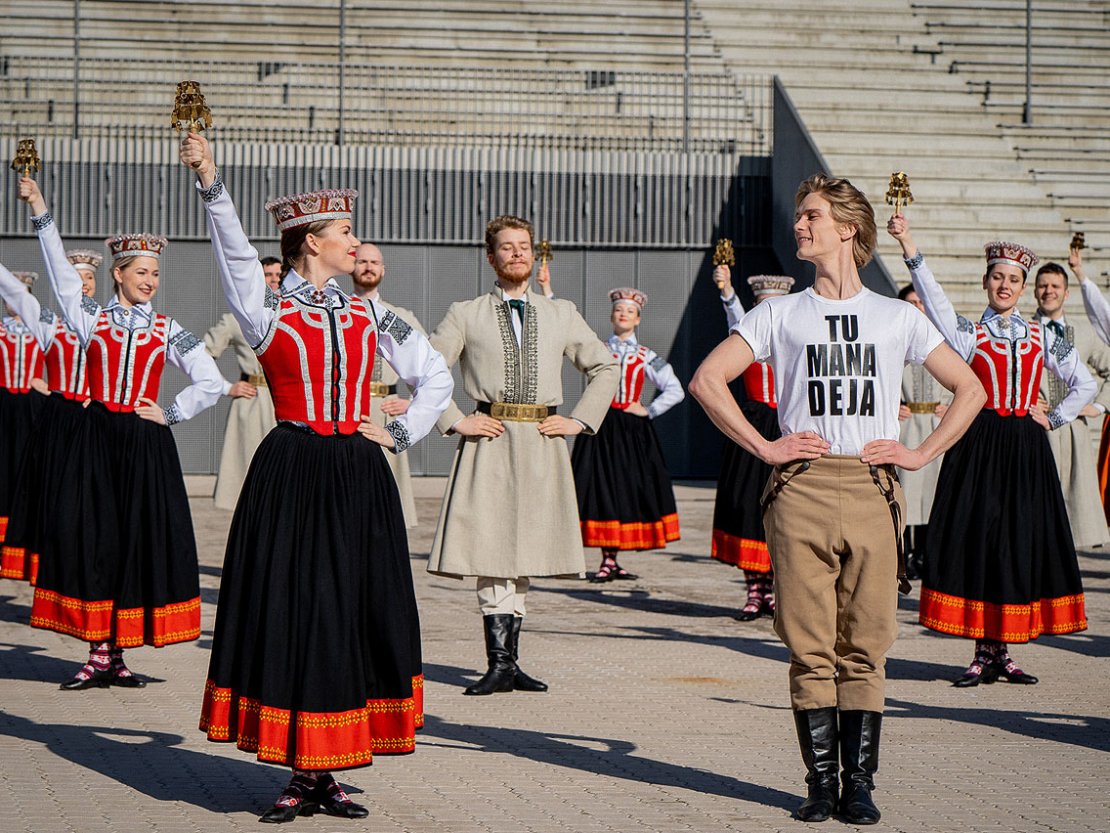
{"x":832,"y":490}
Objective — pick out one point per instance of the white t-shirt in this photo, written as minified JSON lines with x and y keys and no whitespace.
{"x":838,"y":363}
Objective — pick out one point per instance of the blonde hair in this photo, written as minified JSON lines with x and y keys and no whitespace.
{"x":848,"y":207}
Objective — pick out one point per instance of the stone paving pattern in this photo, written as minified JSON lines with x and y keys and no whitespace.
{"x":664,"y":714}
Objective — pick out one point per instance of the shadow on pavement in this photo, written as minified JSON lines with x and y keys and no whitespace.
{"x":1092,"y":732}
{"x":639,"y":600}
{"x":153,"y":763}
{"x":607,"y":757}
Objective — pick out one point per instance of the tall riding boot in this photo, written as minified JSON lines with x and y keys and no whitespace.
{"x":859,"y":757}
{"x":499,"y":675}
{"x":521,"y":681}
{"x":817,"y":737}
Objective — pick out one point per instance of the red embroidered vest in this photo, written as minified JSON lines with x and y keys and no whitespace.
{"x":1010,"y":371}
{"x":318,"y":363}
{"x":632,"y":377}
{"x":123,"y":365}
{"x":21,"y":358}
{"x":65,"y":365}
{"x":759,"y":384}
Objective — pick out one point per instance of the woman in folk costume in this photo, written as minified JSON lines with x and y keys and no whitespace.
{"x":118,"y":560}
{"x":251,"y":416}
{"x":316,"y":652}
{"x":1000,"y":565}
{"x":21,"y":360}
{"x":738,"y":536}
{"x":45,"y":453}
{"x":625,"y":497}
{"x":924,"y":403}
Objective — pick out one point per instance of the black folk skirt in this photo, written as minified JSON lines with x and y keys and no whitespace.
{"x":39,"y":477}
{"x":999,"y":561}
{"x":18,"y":415}
{"x":316,"y":654}
{"x":625,"y":497}
{"x":738,"y":536}
{"x":118,"y":559}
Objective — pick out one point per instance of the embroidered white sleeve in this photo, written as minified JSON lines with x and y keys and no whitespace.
{"x":79,"y":310}
{"x":1098,"y":309}
{"x":662,"y":375}
{"x":1063,"y":360}
{"x":241,"y":274}
{"x":208,"y":384}
{"x":39,"y":320}
{"x":423,"y":369}
{"x":957,"y":330}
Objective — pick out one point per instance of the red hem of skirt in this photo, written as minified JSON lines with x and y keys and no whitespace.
{"x":314,"y":740}
{"x":3,"y":529}
{"x":630,"y":536}
{"x":1004,"y":623}
{"x":127,"y":627}
{"x":15,"y":564}
{"x":742,"y":552}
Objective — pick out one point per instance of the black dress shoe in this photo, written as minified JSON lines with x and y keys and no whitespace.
{"x":747,"y":615}
{"x":99,"y":679}
{"x":130,"y":681}
{"x":344,"y":809}
{"x":1021,"y":678}
{"x":281,"y":813}
{"x":987,"y":676}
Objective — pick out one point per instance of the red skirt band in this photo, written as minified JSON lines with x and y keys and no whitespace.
{"x":127,"y":627}
{"x":314,"y":740}
{"x":14,"y":563}
{"x":1004,"y":623}
{"x":743,"y":552}
{"x":630,"y":536}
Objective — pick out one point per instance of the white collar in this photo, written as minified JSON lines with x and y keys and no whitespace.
{"x":629,"y":343}
{"x":143,"y":309}
{"x":15,"y":325}
{"x":499,"y":291}
{"x":294,"y":284}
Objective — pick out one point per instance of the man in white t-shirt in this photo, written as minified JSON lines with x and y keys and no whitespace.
{"x":833,"y":505}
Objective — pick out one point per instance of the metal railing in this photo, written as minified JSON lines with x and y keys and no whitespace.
{"x":395,"y":105}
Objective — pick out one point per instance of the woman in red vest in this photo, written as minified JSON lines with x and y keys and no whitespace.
{"x":119,"y":562}
{"x":316,"y":654}
{"x":1000,"y":564}
{"x":64,"y":365}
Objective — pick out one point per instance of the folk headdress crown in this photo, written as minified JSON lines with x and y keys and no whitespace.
{"x":301,"y":209}
{"x":135,"y":245}
{"x":999,"y":251}
{"x":626,"y":294}
{"x":770,"y":284}
{"x":26,"y":278}
{"x":85,"y":258}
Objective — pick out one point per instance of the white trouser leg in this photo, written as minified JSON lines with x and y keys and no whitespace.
{"x":502,"y":596}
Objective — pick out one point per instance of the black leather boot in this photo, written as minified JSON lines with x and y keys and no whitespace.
{"x":859,"y":757}
{"x":521,"y":681}
{"x":502,"y":669}
{"x":817,"y":737}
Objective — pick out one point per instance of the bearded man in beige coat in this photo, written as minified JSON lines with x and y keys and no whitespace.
{"x":251,"y":416}
{"x":510,"y":511}
{"x":384,"y":401}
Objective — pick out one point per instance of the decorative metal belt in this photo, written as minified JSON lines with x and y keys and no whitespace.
{"x":256,"y":379}
{"x":922,"y":407}
{"x":517,"y":413}
{"x":382,"y":389}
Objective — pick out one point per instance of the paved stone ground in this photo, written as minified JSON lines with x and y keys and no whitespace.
{"x":664,"y":715}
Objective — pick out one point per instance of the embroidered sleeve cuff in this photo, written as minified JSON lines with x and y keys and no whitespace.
{"x":914,"y":262}
{"x":42,"y":221}
{"x":1055,"y":420}
{"x":172,"y":415}
{"x":213,"y":191}
{"x":400,"y":436}
{"x":652,"y":413}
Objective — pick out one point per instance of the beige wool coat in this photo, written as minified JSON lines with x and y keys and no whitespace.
{"x":1073,"y":444}
{"x":510,"y":508}
{"x":398,"y":463}
{"x":920,"y":487}
{"x":249,"y":419}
